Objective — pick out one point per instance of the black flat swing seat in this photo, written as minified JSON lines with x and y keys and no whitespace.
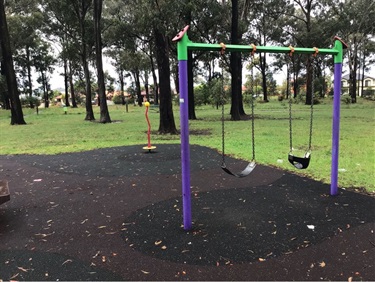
{"x":299,"y":162}
{"x":4,"y":192}
{"x":248,"y":169}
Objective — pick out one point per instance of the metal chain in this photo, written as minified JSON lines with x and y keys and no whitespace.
{"x":222,"y":115}
{"x":288,"y":93}
{"x":252,"y":108}
{"x":312,"y":103}
{"x":311,"y":107}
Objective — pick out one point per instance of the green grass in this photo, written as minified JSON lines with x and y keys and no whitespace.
{"x":52,"y":132}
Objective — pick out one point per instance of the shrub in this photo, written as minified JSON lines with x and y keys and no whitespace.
{"x":117,"y":99}
{"x":27,"y":101}
{"x":346,"y":99}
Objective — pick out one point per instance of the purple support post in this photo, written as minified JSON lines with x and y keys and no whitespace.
{"x":185,"y":150}
{"x":336,"y":128}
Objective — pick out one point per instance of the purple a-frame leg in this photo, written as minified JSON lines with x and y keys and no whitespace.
{"x":185,"y":152}
{"x":336,"y":129}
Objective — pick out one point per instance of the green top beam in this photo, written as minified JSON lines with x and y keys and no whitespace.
{"x":259,"y":49}
{"x":184,"y":44}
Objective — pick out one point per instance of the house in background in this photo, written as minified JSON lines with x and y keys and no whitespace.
{"x":368,"y":85}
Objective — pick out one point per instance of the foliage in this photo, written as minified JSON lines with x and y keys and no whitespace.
{"x":27,"y":101}
{"x":369,"y":94}
{"x":346,"y":99}
{"x":133,"y":33}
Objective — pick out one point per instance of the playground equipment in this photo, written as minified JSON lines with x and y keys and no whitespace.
{"x":300,"y":162}
{"x":251,"y":165}
{"x":149,"y":147}
{"x":184,"y":44}
{"x":4,"y":192}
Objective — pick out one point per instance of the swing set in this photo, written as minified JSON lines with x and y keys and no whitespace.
{"x":184,"y":45}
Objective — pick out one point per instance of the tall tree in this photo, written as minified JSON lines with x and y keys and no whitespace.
{"x":43,"y":62}
{"x":307,"y":8}
{"x":8,"y":67}
{"x":167,"y":124}
{"x":151,"y":20}
{"x":353,"y":20}
{"x":264,"y":31}
{"x":25,"y":24}
{"x":104,"y":114}
{"x":81,"y":9}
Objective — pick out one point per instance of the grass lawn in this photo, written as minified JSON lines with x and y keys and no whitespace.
{"x":53,"y":132}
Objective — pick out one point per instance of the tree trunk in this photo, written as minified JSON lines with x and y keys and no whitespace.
{"x":138,"y":87}
{"x":353,"y":71}
{"x":122,"y":86}
{"x":263,"y":68}
{"x":353,"y":83}
{"x":89,"y":110}
{"x":81,"y":8}
{"x":155,"y":79}
{"x":363,"y":73}
{"x":104,"y":114}
{"x":309,"y":81}
{"x":167,"y":123}
{"x":236,"y":68}
{"x":45,"y":89}
{"x":146,"y":87}
{"x":71,"y":86}
{"x":29,"y":80}
{"x":66,"y":79}
{"x":15,"y":103}
{"x":4,"y":97}
{"x":191,"y":101}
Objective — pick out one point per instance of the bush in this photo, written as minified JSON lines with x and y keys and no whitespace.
{"x":27,"y":101}
{"x":117,"y":100}
{"x":369,"y":94}
{"x":346,"y":99}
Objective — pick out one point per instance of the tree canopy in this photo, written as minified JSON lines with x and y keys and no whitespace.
{"x":137,"y":35}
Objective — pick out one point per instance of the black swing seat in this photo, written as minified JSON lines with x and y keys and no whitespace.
{"x":4,"y":191}
{"x":299,"y":162}
{"x":249,"y":168}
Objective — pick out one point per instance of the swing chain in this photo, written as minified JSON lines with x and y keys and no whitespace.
{"x":222,"y":113}
{"x":290,"y":62}
{"x":312,"y":101}
{"x":252,"y":107}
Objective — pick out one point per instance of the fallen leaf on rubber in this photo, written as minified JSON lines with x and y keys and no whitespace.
{"x":322,"y":264}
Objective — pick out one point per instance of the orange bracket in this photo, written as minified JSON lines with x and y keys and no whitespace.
{"x":223,"y":47}
{"x":254,"y":49}
{"x":316,"y":51}
{"x":291,"y":50}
